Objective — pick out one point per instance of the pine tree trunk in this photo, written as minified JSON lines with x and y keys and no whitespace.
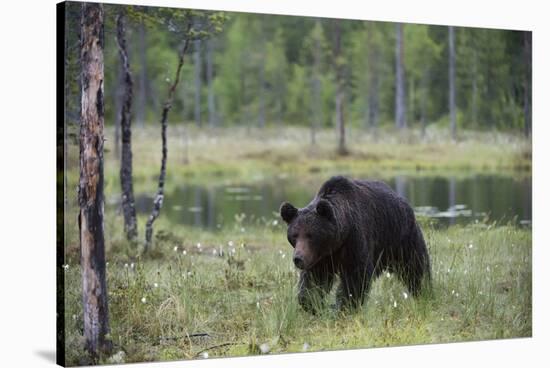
{"x":198,"y":81}
{"x":400,"y":106}
{"x":126,"y":182}
{"x":90,"y":190}
{"x":159,"y":197}
{"x":452,"y":103}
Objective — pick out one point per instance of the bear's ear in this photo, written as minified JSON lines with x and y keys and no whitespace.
{"x":288,"y":212}
{"x":324,"y":208}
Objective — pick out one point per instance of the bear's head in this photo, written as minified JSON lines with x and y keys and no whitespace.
{"x":312,"y":232}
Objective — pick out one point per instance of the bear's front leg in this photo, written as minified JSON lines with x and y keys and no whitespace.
{"x":313,"y":286}
{"x":354,"y":287}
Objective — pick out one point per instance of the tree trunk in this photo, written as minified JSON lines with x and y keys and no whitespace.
{"x":141,"y":108}
{"x":400,"y":106}
{"x":339,"y":98}
{"x":212,"y":119}
{"x":159,"y":197}
{"x":90,"y":190}
{"x":452,"y":103}
{"x":118,"y":97}
{"x":198,"y":81}
{"x":126,"y":182}
{"x":527,"y":83}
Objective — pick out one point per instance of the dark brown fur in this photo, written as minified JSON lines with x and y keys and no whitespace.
{"x":355,"y":229}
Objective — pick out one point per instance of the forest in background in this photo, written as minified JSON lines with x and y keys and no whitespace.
{"x":285,"y":71}
{"x":246,"y":92}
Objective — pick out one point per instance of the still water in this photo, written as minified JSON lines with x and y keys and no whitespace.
{"x":448,"y":200}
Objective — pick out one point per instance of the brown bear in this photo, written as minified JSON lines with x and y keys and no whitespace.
{"x":355,"y":229}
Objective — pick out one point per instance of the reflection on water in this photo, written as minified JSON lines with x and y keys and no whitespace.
{"x":450,"y":200}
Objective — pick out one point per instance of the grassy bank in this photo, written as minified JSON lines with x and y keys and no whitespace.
{"x":253,"y":154}
{"x":234,"y":294}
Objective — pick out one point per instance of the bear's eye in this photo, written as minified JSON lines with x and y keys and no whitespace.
{"x":308,"y":235}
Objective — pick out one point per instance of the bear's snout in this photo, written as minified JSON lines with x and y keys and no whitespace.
{"x":299,"y":261}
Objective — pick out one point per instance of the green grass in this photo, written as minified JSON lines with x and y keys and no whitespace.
{"x":244,"y":299}
{"x":254,"y":154}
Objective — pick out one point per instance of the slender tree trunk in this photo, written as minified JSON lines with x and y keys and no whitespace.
{"x":527,"y":39}
{"x":198,"y":81}
{"x":452,"y":103}
{"x":90,"y":190}
{"x":141,"y":108}
{"x":119,"y":96}
{"x":400,"y":105}
{"x":126,"y":182}
{"x":212,"y":119}
{"x":159,"y":197}
{"x":339,"y":98}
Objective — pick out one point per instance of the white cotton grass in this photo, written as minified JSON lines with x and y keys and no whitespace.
{"x":156,"y":285}
{"x":405,"y":295}
{"x":264,"y":348}
{"x":204,"y":355}
{"x":144,"y":300}
{"x":305,"y":347}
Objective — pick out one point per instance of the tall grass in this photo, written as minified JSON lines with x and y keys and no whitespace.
{"x":236,"y":295}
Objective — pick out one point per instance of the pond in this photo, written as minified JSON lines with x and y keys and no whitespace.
{"x":448,"y":200}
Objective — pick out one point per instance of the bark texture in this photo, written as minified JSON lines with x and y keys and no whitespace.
{"x":159,"y":197}
{"x":126,"y":181}
{"x":90,"y":193}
